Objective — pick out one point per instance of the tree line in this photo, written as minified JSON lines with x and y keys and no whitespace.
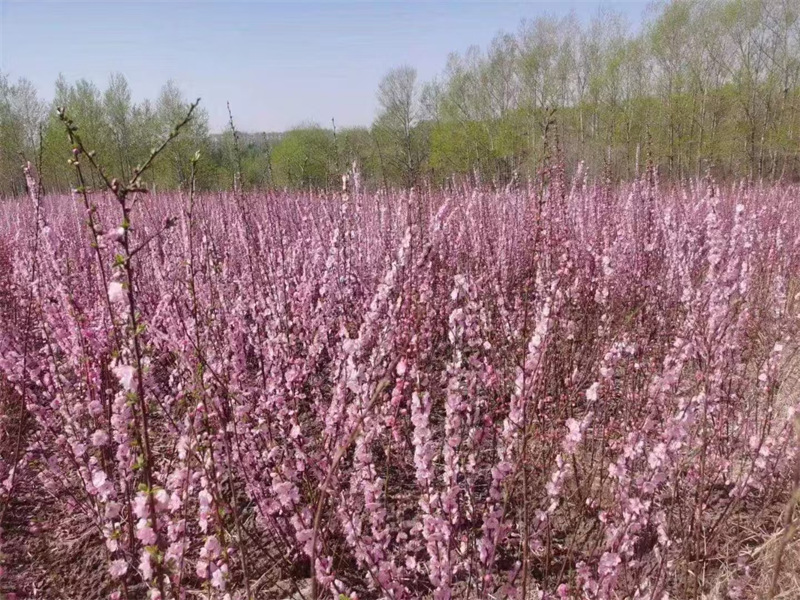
{"x":702,"y":87}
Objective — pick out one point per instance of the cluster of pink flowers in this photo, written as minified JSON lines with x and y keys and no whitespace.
{"x":568,"y":391}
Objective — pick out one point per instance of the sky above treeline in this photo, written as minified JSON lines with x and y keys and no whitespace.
{"x":280,"y":64}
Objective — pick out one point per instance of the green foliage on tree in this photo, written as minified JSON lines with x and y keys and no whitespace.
{"x":305,"y":158}
{"x":21,"y":114}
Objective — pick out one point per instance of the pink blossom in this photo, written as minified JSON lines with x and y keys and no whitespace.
{"x":114,"y":235}
{"x":112,"y":510}
{"x":161,"y":498}
{"x":212,"y":547}
{"x":99,"y":438}
{"x":125,"y":374}
{"x":201,"y":568}
{"x":574,"y":436}
{"x":141,"y":505}
{"x":439,"y":361}
{"x":98,"y":479}
{"x":118,"y":568}
{"x":218,"y":579}
{"x":116,"y":292}
{"x":145,"y":533}
{"x":145,"y":566}
{"x":608,"y":564}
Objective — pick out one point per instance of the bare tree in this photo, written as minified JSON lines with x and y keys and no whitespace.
{"x":399,"y":99}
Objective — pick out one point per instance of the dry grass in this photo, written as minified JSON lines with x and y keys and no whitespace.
{"x":778,"y":544}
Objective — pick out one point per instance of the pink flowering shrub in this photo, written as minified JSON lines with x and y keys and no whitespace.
{"x":574,"y":393}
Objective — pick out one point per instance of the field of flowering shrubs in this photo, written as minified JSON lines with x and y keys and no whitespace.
{"x":561,"y":391}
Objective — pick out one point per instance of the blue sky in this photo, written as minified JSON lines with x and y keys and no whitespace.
{"x":279,"y":63}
